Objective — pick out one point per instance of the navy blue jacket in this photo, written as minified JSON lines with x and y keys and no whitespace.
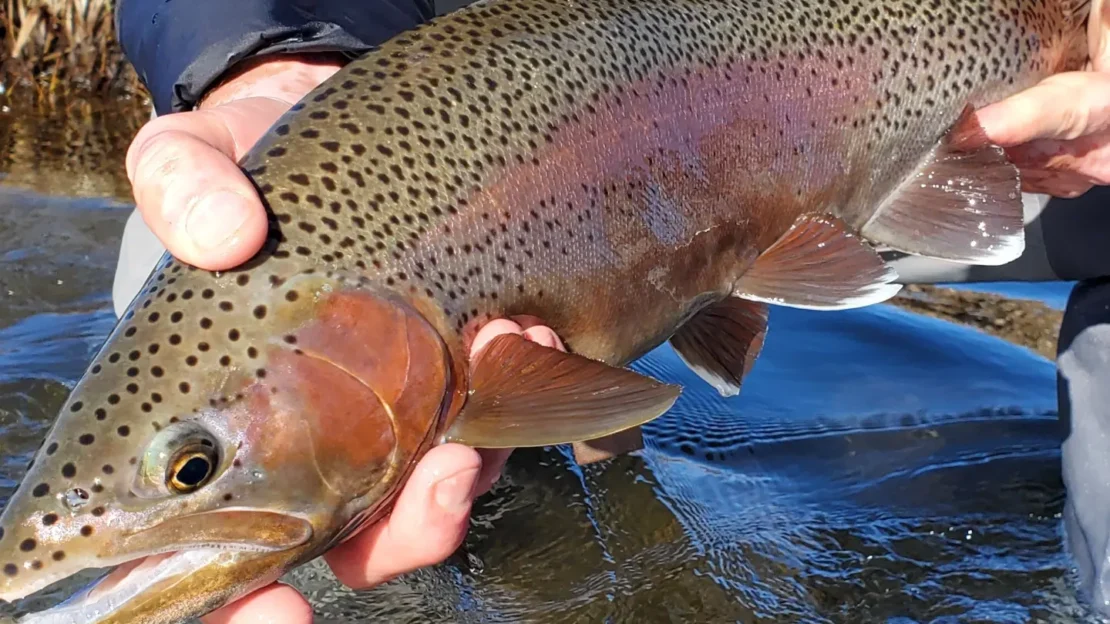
{"x":180,"y":48}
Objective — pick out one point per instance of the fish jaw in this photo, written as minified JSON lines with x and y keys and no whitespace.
{"x":169,"y":588}
{"x":309,"y":442}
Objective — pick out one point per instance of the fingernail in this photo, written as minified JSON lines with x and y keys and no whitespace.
{"x":215,"y":218}
{"x":453,"y":494}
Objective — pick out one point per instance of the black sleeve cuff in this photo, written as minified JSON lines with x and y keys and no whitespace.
{"x":180,"y":48}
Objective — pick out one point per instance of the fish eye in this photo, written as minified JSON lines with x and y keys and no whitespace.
{"x":179,"y":459}
{"x":191,"y":468}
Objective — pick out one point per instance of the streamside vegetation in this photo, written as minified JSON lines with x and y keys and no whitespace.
{"x":52,"y":48}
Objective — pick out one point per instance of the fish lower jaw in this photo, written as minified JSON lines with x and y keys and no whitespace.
{"x":125,"y":582}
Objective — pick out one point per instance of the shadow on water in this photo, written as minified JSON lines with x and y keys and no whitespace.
{"x":880,"y":465}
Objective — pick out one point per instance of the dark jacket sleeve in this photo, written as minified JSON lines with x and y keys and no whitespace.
{"x":180,"y":48}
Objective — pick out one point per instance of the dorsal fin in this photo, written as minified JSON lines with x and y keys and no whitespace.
{"x":963,"y":204}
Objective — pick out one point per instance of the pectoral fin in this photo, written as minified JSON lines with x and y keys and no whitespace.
{"x":722,"y":341}
{"x":819,"y":265}
{"x":963,"y":204}
{"x":524,"y":394}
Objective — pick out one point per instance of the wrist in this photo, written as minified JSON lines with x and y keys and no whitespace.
{"x":286,"y":77}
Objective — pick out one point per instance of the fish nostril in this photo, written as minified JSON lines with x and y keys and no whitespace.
{"x":11,"y":569}
{"x":75,"y":499}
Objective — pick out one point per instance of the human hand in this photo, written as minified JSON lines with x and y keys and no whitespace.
{"x":1058,"y":132}
{"x":183,"y":170}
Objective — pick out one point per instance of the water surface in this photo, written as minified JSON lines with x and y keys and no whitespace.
{"x":880,"y":466}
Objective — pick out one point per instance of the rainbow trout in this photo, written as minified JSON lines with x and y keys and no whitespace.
{"x":630,"y":171}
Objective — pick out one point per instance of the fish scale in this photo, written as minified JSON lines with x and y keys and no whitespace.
{"x":613,"y":167}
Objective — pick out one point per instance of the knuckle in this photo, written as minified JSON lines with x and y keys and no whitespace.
{"x":150,"y":131}
{"x":163,"y":155}
{"x":1074,"y":121}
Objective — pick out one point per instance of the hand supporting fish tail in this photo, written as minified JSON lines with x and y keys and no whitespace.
{"x":1058,"y":132}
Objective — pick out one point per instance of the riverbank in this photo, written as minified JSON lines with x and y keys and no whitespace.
{"x":1031,"y":324}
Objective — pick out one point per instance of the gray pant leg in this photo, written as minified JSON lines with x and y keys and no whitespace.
{"x":139,"y":253}
{"x":1083,"y":383}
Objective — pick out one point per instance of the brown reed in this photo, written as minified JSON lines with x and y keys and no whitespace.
{"x":62,"y":47}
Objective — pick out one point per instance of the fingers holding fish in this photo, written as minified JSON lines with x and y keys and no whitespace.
{"x":275,"y":603}
{"x":537,"y":332}
{"x":525,"y":325}
{"x":493,"y":460}
{"x":1056,"y":183}
{"x":1063,"y":107}
{"x":427,"y":523}
{"x":187,"y":184}
{"x":192,"y":195}
{"x":1057,"y":133}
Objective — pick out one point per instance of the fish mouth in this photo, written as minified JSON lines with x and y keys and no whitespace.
{"x":118,"y":587}
{"x":186,"y":565}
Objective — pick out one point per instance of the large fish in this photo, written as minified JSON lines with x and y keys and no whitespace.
{"x":630,"y":171}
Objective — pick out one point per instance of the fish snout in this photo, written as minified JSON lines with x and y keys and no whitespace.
{"x":46,"y":536}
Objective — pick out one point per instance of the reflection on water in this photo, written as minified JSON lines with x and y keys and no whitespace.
{"x":74,"y":148}
{"x":879,"y":466}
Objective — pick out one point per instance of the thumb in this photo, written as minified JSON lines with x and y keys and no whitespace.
{"x":189,"y":188}
{"x":1063,"y":107}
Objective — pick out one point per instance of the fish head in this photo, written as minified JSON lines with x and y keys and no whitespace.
{"x":221,"y":438}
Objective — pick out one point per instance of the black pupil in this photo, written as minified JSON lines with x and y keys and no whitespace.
{"x":193,"y":472}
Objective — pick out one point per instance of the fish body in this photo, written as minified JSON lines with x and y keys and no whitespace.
{"x":628,"y":171}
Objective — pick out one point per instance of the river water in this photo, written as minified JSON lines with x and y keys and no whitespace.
{"x":880,"y":465}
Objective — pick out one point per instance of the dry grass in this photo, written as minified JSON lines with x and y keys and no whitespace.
{"x":57,"y":47}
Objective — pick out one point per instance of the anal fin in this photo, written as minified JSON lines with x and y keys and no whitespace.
{"x":524,"y":394}
{"x":963,"y":204}
{"x":721,"y":342}
{"x":818,"y":265}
